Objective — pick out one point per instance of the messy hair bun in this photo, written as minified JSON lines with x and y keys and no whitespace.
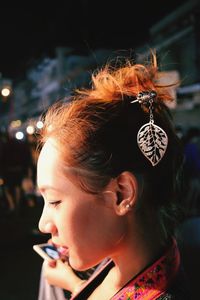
{"x":113,"y":83}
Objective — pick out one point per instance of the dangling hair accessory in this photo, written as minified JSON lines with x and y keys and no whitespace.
{"x":152,"y":140}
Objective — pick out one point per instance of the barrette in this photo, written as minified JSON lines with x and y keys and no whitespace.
{"x":145,"y":97}
{"x":151,"y":139}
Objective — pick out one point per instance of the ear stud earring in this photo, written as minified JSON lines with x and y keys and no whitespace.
{"x":128,"y":206}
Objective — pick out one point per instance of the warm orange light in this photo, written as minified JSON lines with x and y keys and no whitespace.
{"x":5,"y":92}
{"x":30,"y":129}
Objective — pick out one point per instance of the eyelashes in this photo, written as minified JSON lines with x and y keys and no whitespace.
{"x":54,"y":203}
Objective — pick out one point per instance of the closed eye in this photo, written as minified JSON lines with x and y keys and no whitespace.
{"x":55,"y":203}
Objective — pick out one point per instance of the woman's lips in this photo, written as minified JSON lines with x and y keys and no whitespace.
{"x":63,"y":250}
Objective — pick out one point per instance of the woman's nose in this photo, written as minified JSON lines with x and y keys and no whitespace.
{"x":41,"y":224}
{"x":46,"y":225}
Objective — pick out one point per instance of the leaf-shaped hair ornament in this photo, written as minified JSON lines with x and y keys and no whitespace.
{"x":152,"y":140}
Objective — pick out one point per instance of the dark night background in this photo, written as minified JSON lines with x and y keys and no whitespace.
{"x":31,"y":31}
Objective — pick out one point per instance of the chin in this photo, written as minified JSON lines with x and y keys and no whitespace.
{"x":76,"y":264}
{"x":79,"y":264}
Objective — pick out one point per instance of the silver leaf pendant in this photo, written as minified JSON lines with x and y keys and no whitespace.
{"x":152,"y":141}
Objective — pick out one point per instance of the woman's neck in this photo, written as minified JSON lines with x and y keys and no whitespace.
{"x":132,"y":260}
{"x":139,"y":250}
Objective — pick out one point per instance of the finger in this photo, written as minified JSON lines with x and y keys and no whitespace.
{"x":50,"y":242}
{"x":52,"y":263}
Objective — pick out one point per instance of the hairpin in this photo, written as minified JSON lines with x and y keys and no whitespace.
{"x":151,"y":139}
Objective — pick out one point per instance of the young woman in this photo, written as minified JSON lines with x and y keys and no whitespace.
{"x":109,"y":173}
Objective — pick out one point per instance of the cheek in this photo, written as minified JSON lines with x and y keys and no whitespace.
{"x":71,"y":222}
{"x":65,"y":224}
{"x":76,"y":224}
{"x":94,"y":235}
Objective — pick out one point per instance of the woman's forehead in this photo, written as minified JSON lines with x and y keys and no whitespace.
{"x":48,"y":152}
{"x":48,"y":165}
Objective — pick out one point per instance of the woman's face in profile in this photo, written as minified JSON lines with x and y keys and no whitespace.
{"x":78,"y":220}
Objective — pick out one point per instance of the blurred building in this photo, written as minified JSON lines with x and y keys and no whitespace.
{"x":48,"y":80}
{"x":176,"y":39}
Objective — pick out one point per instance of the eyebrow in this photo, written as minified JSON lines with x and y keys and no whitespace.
{"x":46,"y":187}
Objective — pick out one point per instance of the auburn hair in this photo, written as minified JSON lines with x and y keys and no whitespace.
{"x":96,"y":134}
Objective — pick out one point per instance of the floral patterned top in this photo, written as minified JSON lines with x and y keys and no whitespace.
{"x":152,"y":283}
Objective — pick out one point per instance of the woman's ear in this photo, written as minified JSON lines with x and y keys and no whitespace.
{"x":121,"y":193}
{"x":127,"y":192}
